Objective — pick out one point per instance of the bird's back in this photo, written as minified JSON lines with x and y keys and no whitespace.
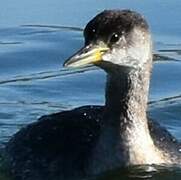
{"x":60,"y":145}
{"x":57,"y":146}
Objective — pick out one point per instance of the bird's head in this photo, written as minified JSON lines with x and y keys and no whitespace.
{"x":115,"y":38}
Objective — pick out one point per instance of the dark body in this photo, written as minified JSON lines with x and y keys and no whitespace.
{"x":60,"y":146}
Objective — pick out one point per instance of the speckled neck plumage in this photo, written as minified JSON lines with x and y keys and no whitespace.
{"x":126,"y":104}
{"x":127,"y":93}
{"x":125,"y":138}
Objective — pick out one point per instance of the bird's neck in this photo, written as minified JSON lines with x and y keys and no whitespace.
{"x":125,"y":137}
{"x":125,"y":125}
{"x":127,"y":96}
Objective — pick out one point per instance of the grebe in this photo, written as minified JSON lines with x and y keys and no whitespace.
{"x":93,"y":139}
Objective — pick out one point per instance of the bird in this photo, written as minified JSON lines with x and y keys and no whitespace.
{"x":89,"y":140}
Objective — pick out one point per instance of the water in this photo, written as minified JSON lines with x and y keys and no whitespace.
{"x":33,"y":82}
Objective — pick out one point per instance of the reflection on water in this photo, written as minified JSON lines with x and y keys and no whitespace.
{"x":142,"y":172}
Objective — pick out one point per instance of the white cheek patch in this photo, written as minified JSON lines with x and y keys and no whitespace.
{"x":133,"y":55}
{"x":116,"y":56}
{"x":141,"y":49}
{"x":139,"y":54}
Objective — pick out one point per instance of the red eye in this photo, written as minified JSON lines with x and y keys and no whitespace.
{"x":114,"y":38}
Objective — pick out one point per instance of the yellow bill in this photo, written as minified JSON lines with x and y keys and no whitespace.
{"x":86,"y":56}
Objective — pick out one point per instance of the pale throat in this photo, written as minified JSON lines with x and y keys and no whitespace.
{"x":127,"y":94}
{"x":125,"y":121}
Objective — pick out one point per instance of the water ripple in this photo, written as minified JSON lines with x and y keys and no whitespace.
{"x":46,"y":75}
{"x":10,"y":42}
{"x":70,"y":28}
{"x":168,"y":100}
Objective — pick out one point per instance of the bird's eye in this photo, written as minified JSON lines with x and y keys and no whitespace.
{"x":114,"y":38}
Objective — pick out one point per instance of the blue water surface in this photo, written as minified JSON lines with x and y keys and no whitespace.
{"x":34,"y":45}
